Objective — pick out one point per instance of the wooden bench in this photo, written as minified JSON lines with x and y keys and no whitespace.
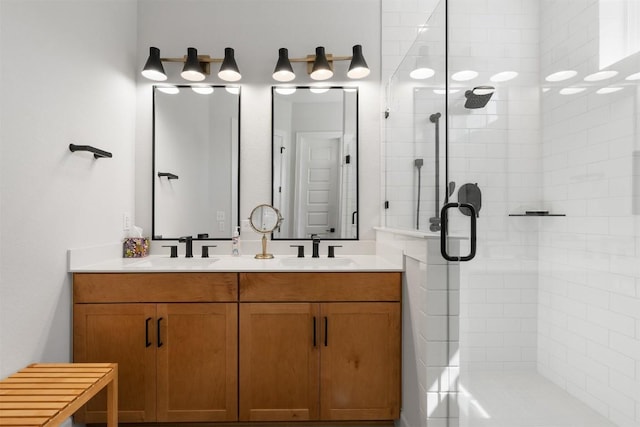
{"x":46,"y":394}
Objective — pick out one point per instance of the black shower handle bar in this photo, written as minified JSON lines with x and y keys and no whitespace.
{"x":97,"y":153}
{"x":444,"y":215}
{"x":168,"y":175}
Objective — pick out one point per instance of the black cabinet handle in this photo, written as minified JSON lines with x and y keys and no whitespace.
{"x":147,"y":343}
{"x":314,"y":331}
{"x":159,"y":339}
{"x":326,"y":331}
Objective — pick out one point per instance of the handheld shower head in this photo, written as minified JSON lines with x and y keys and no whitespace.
{"x":435,"y":117}
{"x":418,"y":163}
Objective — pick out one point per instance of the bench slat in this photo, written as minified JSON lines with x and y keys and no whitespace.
{"x":36,"y":398}
{"x":47,"y":394}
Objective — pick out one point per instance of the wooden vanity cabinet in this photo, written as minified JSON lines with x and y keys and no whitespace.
{"x":174,"y":337}
{"x":320,"y":346}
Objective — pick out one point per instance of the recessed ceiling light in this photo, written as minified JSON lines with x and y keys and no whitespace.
{"x":465,"y":75}
{"x":606,"y":90}
{"x":635,"y":76}
{"x":600,"y":75}
{"x":504,"y":76}
{"x":561,"y":75}
{"x":571,"y":90}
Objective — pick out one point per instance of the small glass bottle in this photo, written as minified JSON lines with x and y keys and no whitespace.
{"x":235,"y":242}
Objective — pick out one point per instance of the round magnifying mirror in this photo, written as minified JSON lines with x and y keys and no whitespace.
{"x":264,"y":219}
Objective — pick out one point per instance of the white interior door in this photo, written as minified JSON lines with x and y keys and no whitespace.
{"x":317,"y":180}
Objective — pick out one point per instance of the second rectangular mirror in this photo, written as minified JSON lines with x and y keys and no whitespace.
{"x":315,"y":162}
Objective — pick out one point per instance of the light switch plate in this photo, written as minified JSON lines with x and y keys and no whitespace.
{"x":126,"y":221}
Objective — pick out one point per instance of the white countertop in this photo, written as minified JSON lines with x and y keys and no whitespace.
{"x":244,"y":263}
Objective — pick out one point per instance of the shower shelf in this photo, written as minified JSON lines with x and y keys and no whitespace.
{"x":537,"y":214}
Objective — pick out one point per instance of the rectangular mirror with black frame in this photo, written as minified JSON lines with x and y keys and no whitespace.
{"x":315,"y":162}
{"x":196,"y":161}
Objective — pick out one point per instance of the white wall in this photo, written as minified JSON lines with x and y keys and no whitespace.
{"x":67,"y":76}
{"x":256,"y":30}
{"x":589,"y":304}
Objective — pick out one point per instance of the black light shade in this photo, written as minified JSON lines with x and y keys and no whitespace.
{"x":229,"y":69}
{"x":358,"y":67}
{"x":192,"y":69}
{"x":283,"y":71}
{"x":153,"y":69}
{"x":321,"y":69}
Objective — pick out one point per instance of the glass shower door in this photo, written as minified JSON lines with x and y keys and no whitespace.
{"x":528,"y":113}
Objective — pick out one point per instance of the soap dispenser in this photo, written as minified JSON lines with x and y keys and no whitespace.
{"x":235,"y":242}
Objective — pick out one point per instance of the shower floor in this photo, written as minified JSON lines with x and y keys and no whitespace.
{"x":520,"y":399}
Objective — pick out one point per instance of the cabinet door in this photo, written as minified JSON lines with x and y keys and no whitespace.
{"x":279,"y":361}
{"x":197,"y":362}
{"x":360,"y":364}
{"x":121,"y":333}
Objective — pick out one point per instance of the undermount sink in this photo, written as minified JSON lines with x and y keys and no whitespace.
{"x":178,"y":263}
{"x":317,"y":262}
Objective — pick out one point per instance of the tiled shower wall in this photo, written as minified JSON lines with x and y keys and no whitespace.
{"x":589,"y":300}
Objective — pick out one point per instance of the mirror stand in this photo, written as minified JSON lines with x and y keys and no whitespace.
{"x":264,"y":254}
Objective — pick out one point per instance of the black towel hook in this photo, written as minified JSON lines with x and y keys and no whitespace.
{"x":97,"y":153}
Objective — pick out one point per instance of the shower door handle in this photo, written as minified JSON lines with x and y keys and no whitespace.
{"x":444,"y":216}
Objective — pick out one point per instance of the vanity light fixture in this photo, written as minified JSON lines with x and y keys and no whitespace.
{"x":192,"y":69}
{"x":358,"y":68}
{"x":196,"y":67}
{"x":229,"y":71}
{"x":283,"y":71}
{"x":153,"y":69}
{"x":320,"y":65}
{"x":321,"y":69}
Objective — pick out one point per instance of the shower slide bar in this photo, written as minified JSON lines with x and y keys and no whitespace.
{"x":435,"y":220}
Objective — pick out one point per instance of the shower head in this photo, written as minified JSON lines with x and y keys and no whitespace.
{"x":478,"y":96}
{"x":435,"y":117}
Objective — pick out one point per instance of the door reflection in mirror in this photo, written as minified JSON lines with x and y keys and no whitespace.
{"x":315,"y":162}
{"x":196,"y":137}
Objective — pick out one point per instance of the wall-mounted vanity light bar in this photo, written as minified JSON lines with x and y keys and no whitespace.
{"x":320,"y":65}
{"x":196,"y":67}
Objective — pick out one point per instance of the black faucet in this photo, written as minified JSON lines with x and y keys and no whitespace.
{"x":316,"y":246}
{"x":188,"y":240}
